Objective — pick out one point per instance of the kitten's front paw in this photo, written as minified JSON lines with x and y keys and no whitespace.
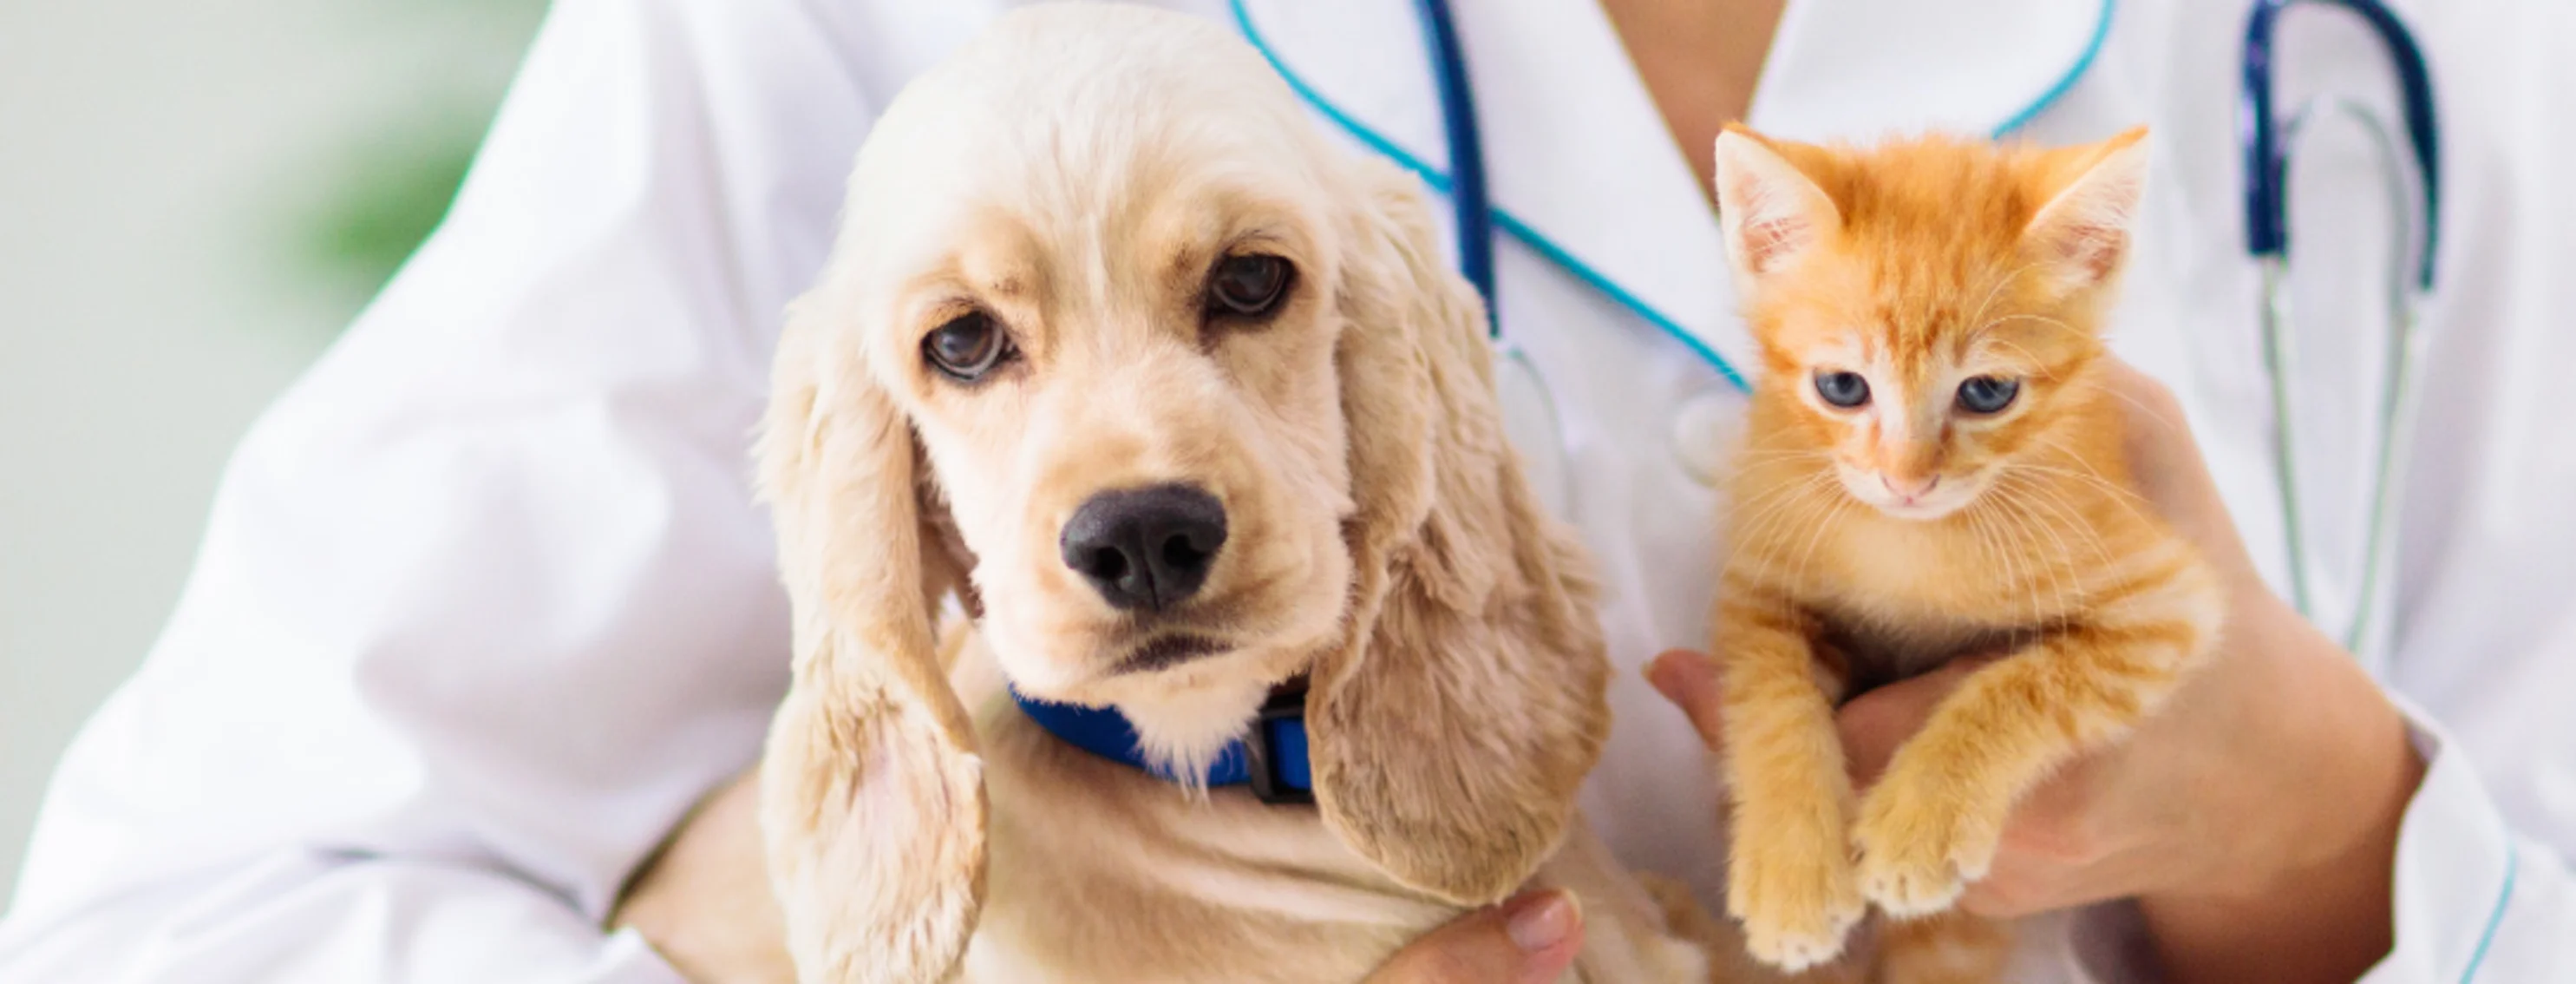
{"x":1796,"y":900}
{"x":1919,"y":847}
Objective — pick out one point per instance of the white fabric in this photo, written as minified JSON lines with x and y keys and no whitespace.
{"x":484,"y":605}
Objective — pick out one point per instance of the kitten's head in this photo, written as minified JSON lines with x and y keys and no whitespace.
{"x":1927,"y":309}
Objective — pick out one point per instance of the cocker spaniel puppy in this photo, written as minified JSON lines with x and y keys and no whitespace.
{"x":1182,"y":405}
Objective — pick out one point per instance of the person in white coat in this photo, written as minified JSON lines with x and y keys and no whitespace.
{"x":484,"y":606}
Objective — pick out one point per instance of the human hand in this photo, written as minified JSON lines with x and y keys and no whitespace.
{"x":2253,"y":817}
{"x":705,"y":904}
{"x":1529,"y":939}
{"x":704,"y":901}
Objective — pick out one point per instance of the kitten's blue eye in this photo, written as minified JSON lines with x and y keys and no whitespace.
{"x":1988,"y":394}
{"x":1842,"y":389}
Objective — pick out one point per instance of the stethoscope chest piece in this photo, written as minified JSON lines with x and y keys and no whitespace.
{"x":1706,"y":429}
{"x":1531,"y":423}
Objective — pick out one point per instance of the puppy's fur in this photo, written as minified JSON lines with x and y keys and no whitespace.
{"x":1075,"y":175}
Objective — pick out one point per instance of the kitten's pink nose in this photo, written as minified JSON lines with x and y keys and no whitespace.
{"x":1908,"y":490}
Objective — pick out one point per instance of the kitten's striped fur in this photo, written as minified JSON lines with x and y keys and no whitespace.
{"x":1874,"y":542}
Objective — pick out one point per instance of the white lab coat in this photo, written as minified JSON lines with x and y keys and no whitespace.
{"x":484,"y":604}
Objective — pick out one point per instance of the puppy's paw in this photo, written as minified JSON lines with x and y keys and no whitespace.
{"x":1796,"y":898}
{"x":1919,"y":848}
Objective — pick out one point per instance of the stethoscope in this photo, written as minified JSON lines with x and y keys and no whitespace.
{"x":1531,"y":418}
{"x":2267,"y":144}
{"x":1516,"y":380}
{"x":1529,"y":404}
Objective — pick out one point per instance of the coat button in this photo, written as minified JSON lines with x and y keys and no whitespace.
{"x":1705,"y":432}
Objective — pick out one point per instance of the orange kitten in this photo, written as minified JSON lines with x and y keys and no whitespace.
{"x":1932,"y":468}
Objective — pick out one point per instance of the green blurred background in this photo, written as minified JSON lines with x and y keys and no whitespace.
{"x":383,"y":188}
{"x":194,"y":199}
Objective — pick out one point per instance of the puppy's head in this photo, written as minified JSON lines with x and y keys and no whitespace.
{"x":1100,"y":291}
{"x":1181,"y":401}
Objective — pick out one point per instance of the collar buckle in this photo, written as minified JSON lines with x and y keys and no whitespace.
{"x":1262,"y":753}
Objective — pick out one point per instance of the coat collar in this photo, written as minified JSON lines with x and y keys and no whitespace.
{"x":1580,"y":164}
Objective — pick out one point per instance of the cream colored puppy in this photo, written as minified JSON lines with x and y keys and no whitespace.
{"x":1182,"y":404}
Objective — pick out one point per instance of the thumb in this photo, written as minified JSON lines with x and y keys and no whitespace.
{"x":1689,"y":680}
{"x":1530,"y":939}
{"x":1876,"y":723}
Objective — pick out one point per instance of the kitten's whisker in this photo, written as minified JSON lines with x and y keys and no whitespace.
{"x":1767,"y":457}
{"x":2025,"y":353}
{"x":1777,"y":516}
{"x":2019,"y":523}
{"x":1780,"y":504}
{"x":2151,"y":412}
{"x":1779,"y":493}
{"x":1990,"y":544}
{"x":2005,"y":281}
{"x":1776,"y":505}
{"x":1989,"y":549}
{"x":2042,"y":495}
{"x":2086,"y":469}
{"x":1817,"y":536}
{"x":2041,"y":318}
{"x":2088,"y":472}
{"x":2129,"y":501}
{"x":2013,"y":551}
{"x":2060,"y":575}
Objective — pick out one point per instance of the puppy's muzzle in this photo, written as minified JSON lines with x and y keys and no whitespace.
{"x":1147,"y":548}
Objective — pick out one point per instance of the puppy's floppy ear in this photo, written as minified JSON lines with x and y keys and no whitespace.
{"x":872,"y":794}
{"x":1451,"y":728}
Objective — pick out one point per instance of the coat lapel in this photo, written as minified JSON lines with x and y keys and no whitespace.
{"x":1860,"y":69}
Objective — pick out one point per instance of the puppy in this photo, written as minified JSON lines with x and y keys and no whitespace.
{"x":1181,"y":405}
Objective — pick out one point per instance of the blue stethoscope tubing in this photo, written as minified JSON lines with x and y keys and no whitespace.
{"x":1476,"y":217}
{"x":1472,"y":205}
{"x":2267,"y":171}
{"x":2267,"y":141}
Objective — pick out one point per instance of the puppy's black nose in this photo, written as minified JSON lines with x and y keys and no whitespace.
{"x":1145,"y":548}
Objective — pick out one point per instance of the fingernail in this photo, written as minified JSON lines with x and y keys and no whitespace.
{"x":1675,"y":675}
{"x":1539,"y":921}
{"x":1659,"y":674}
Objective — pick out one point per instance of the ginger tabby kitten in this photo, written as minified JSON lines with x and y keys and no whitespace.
{"x":1932,"y":468}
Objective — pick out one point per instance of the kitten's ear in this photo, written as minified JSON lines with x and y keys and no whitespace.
{"x":2084,"y":232}
{"x":1771,"y":211}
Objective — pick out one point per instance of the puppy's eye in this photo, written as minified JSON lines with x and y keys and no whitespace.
{"x":968,"y":347}
{"x":1250,"y":285}
{"x":1842,"y":389}
{"x":1988,"y":394}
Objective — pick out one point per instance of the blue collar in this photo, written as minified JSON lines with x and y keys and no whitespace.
{"x":1271,"y":759}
